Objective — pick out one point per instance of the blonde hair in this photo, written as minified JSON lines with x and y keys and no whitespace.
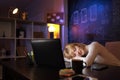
{"x":70,"y":47}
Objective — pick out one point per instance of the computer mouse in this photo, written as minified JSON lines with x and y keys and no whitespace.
{"x":97,"y":66}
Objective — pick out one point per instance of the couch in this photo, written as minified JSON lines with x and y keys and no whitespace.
{"x":114,"y":47}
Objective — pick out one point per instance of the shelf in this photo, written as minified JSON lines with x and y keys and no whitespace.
{"x":7,"y":37}
{"x":6,"y":57}
{"x":18,"y":36}
{"x":4,"y":19}
{"x":23,"y":38}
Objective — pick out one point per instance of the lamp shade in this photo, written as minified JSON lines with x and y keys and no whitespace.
{"x":51,"y":29}
{"x":13,"y":12}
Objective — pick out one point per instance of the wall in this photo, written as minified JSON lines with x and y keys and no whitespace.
{"x":93,"y":20}
{"x":38,"y":9}
{"x":3,"y":12}
{"x":5,"y":28}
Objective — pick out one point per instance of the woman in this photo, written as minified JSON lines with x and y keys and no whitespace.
{"x":91,"y":53}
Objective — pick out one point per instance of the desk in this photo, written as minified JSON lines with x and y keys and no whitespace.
{"x":20,"y":70}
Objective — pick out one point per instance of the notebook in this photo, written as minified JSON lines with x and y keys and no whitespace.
{"x":48,"y":53}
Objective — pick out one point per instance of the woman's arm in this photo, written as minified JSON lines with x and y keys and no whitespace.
{"x":98,"y":53}
{"x":92,"y":53}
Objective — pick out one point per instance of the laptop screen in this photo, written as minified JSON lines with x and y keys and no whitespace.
{"x":48,"y":53}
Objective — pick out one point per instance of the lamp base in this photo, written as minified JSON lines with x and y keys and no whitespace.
{"x":51,"y":35}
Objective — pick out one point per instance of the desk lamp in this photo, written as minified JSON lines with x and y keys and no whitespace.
{"x":12,"y":12}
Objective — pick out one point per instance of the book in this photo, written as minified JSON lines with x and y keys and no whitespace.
{"x":21,"y":51}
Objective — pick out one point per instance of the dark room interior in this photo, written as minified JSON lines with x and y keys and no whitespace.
{"x":71,"y":21}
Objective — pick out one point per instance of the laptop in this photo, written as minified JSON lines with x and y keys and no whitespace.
{"x":48,"y":53}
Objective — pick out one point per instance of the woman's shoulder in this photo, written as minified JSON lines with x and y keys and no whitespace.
{"x":95,"y":43}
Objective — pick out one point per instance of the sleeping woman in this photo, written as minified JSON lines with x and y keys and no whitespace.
{"x":92,"y":53}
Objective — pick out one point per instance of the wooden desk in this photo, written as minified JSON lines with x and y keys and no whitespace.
{"x":111,"y":73}
{"x":20,"y":70}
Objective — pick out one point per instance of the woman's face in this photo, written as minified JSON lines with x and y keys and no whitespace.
{"x":78,"y":51}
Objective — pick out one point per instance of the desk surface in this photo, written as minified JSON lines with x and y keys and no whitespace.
{"x":35,"y":73}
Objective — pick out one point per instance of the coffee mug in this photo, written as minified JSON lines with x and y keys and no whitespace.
{"x":78,"y":65}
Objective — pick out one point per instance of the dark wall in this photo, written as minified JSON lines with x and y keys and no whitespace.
{"x":93,"y":20}
{"x":38,"y":9}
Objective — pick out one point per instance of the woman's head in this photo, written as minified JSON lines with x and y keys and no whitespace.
{"x":74,"y":49}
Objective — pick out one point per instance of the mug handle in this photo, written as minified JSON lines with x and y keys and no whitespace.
{"x":84,"y":64}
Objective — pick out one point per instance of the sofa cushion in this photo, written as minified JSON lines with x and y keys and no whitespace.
{"x":114,"y":47}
